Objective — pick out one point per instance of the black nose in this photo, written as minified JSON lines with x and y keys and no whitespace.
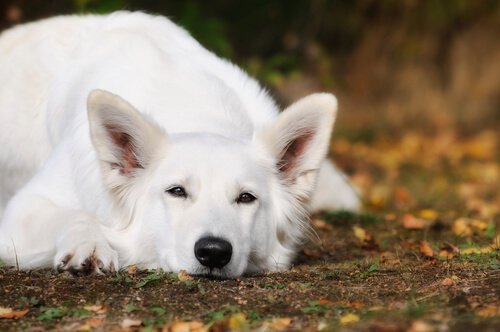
{"x":213,"y":252}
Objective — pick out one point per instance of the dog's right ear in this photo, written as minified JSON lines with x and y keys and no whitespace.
{"x":125,"y":140}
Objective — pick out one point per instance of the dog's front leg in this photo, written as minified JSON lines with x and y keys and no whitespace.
{"x":36,"y":233}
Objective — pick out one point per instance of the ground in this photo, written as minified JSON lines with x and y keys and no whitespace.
{"x":422,"y":256}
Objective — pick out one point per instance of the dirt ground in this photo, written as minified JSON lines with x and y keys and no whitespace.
{"x":424,"y":256}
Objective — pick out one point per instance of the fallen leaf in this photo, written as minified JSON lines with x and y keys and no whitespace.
{"x":448,"y":251}
{"x":488,"y":311}
{"x":360,"y":233}
{"x":421,"y":326}
{"x":461,"y":227}
{"x":179,"y":326}
{"x":326,"y":302}
{"x":349,"y":318}
{"x":98,"y":309}
{"x":8,"y":313}
{"x":447,"y":282}
{"x":128,"y":322}
{"x":412,"y":222}
{"x":237,"y":322}
{"x":425,"y":249}
{"x":184,"y":275}
{"x":321,"y":224}
{"x":483,"y":250}
{"x":132,"y":269}
{"x":480,"y":225}
{"x":403,"y":197}
{"x":278,"y":324}
{"x":428,"y":214}
{"x":94,"y":322}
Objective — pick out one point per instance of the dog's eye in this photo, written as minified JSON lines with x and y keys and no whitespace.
{"x":177,"y":191}
{"x":246,"y":198}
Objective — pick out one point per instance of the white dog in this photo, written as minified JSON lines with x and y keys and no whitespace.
{"x":126,"y":142}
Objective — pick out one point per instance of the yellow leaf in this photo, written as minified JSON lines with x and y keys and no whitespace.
{"x":8,"y":313}
{"x":278,"y":324}
{"x":428,"y":214}
{"x":359,"y":233}
{"x":237,"y":322}
{"x":349,"y":318}
{"x":479,"y":224}
{"x":483,"y":250}
{"x":461,"y":227}
{"x":488,"y":311}
{"x":496,"y":242}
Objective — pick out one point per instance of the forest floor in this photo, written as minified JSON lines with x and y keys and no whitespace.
{"x":423,"y":256}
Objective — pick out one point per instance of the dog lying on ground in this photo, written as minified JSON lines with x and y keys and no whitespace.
{"x":124,"y":142}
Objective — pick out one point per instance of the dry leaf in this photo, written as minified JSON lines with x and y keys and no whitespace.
{"x":94,"y":322}
{"x":349,"y":318}
{"x":321,"y":224}
{"x":421,"y":326}
{"x":98,"y":309}
{"x":360,"y":233}
{"x":428,"y":214}
{"x":132,"y":269}
{"x":483,"y":250}
{"x":237,"y":322}
{"x":412,"y":222}
{"x":183,"y":275}
{"x":447,"y":282}
{"x":194,"y":326}
{"x":368,"y":242}
{"x":8,"y":313}
{"x":278,"y":324}
{"x":128,"y":322}
{"x":326,"y":302}
{"x":461,"y":227}
{"x":479,"y":224}
{"x":448,"y":251}
{"x":425,"y":249}
{"x":488,"y":311}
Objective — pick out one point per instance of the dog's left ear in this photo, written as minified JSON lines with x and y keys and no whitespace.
{"x":299,"y":140}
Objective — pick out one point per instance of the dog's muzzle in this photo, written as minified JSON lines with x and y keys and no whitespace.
{"x":213,"y":252}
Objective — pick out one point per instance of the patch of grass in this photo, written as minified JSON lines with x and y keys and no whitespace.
{"x":489,"y":260}
{"x":130,"y":308}
{"x":372,"y":269}
{"x":348,"y":218}
{"x":50,"y":313}
{"x":122,"y":278}
{"x":159,"y":318}
{"x":316,"y":308}
{"x":152,"y":276}
{"x":221,"y":313}
{"x":416,"y":309}
{"x":273,"y":286}
{"x":31,"y":301}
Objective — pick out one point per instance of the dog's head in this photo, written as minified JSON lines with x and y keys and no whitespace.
{"x":209,"y":204}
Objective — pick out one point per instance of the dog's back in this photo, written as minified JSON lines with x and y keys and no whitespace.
{"x":49,"y":67}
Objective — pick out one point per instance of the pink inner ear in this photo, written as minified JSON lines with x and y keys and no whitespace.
{"x":124,"y":142}
{"x":293,"y":152}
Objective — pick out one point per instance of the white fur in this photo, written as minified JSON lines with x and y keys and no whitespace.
{"x":83,"y":171}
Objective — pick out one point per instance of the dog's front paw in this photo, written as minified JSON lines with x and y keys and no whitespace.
{"x":87,"y":258}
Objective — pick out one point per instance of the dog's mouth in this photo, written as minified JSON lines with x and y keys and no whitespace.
{"x":212,"y":274}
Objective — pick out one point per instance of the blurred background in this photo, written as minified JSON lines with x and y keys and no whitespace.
{"x":418,"y":80}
